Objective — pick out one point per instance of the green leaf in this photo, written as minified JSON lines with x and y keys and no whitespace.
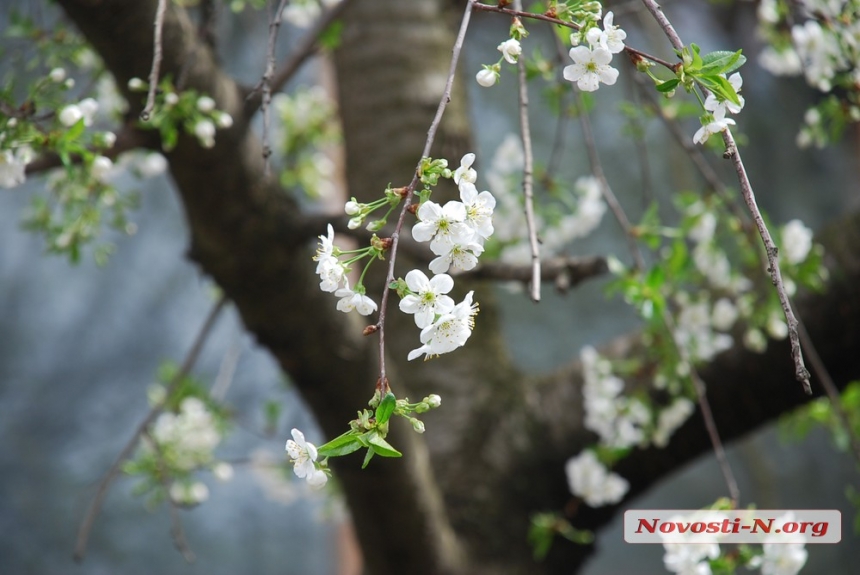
{"x":668,"y":85}
{"x":719,"y":61}
{"x":722,"y":62}
{"x":340,"y":445}
{"x":382,"y":447}
{"x":367,"y":457}
{"x":720,"y":87}
{"x":385,"y":408}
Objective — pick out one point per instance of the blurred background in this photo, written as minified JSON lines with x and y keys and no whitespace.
{"x":79,"y":345}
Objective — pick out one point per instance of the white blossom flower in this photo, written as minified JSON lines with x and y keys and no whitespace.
{"x":428,"y":298}
{"x":796,"y":242}
{"x":331,"y":271}
{"x":101,"y":167}
{"x":724,"y":314}
{"x":487,"y":78}
{"x":70,"y":115}
{"x":776,"y":326}
{"x":717,"y":124}
{"x":13,"y":166}
{"x":671,"y":419}
{"x":590,"y":480}
{"x":189,"y":493}
{"x":224,"y":120}
{"x":152,"y":164}
{"x":754,"y":340}
{"x":819,"y":52}
{"x":442,"y":226}
{"x":465,"y":173}
{"x":205,"y":132}
{"x":783,"y":62}
{"x":459,"y":256}
{"x":88,"y":108}
{"x":712,"y":104}
{"x":612,"y":37}
{"x":590,"y":67}
{"x":479,"y":210}
{"x":223,"y":471}
{"x":449,"y":331}
{"x":205,"y":104}
{"x":303,"y":454}
{"x":190,"y":434}
{"x":782,"y":558}
{"x":137,"y":85}
{"x":57,"y":75}
{"x":511,"y":50}
{"x":354,"y":300}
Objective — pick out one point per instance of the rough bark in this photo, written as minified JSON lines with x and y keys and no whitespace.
{"x":498,"y":444}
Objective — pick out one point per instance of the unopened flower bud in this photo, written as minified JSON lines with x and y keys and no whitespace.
{"x":486,"y":78}
{"x":136,"y":85}
{"x":417,"y":425}
{"x":205,"y":104}
{"x":433,"y":400}
{"x":413,"y":208}
{"x":370,"y":329}
{"x":57,"y":75}
{"x":352,"y":207}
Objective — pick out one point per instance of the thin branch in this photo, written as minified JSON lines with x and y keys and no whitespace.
{"x":564,"y":272}
{"x":266,"y":81}
{"x":382,"y":385}
{"x":307,"y":47}
{"x":116,"y":467}
{"x":528,"y":174}
{"x":732,"y":152}
{"x":572,"y":25}
{"x":227,"y":370}
{"x":156,"y":61}
{"x":605,"y":189}
{"x":127,"y":138}
{"x":800,"y":371}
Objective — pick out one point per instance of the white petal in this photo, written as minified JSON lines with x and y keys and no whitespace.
{"x":417,"y":281}
{"x":441,"y":283}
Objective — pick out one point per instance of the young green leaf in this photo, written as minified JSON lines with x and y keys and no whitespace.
{"x":381,"y":446}
{"x":668,"y":85}
{"x":367,"y":457}
{"x":385,"y":408}
{"x":340,"y":445}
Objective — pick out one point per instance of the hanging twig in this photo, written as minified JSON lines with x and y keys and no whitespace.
{"x":528,"y":174}
{"x":732,"y":152}
{"x":116,"y":467}
{"x":307,"y":47}
{"x":266,"y":82}
{"x":605,"y":189}
{"x":157,"y":51}
{"x":382,"y":384}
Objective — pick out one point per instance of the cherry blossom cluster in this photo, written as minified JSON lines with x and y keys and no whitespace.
{"x":703,"y":326}
{"x":685,"y":557}
{"x":181,"y":441}
{"x":585,"y":204}
{"x":591,"y":62}
{"x":457,"y":232}
{"x":819,"y":40}
{"x":589,"y":479}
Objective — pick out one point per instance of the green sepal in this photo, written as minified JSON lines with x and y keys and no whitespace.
{"x":385,"y":408}
{"x":340,"y":445}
